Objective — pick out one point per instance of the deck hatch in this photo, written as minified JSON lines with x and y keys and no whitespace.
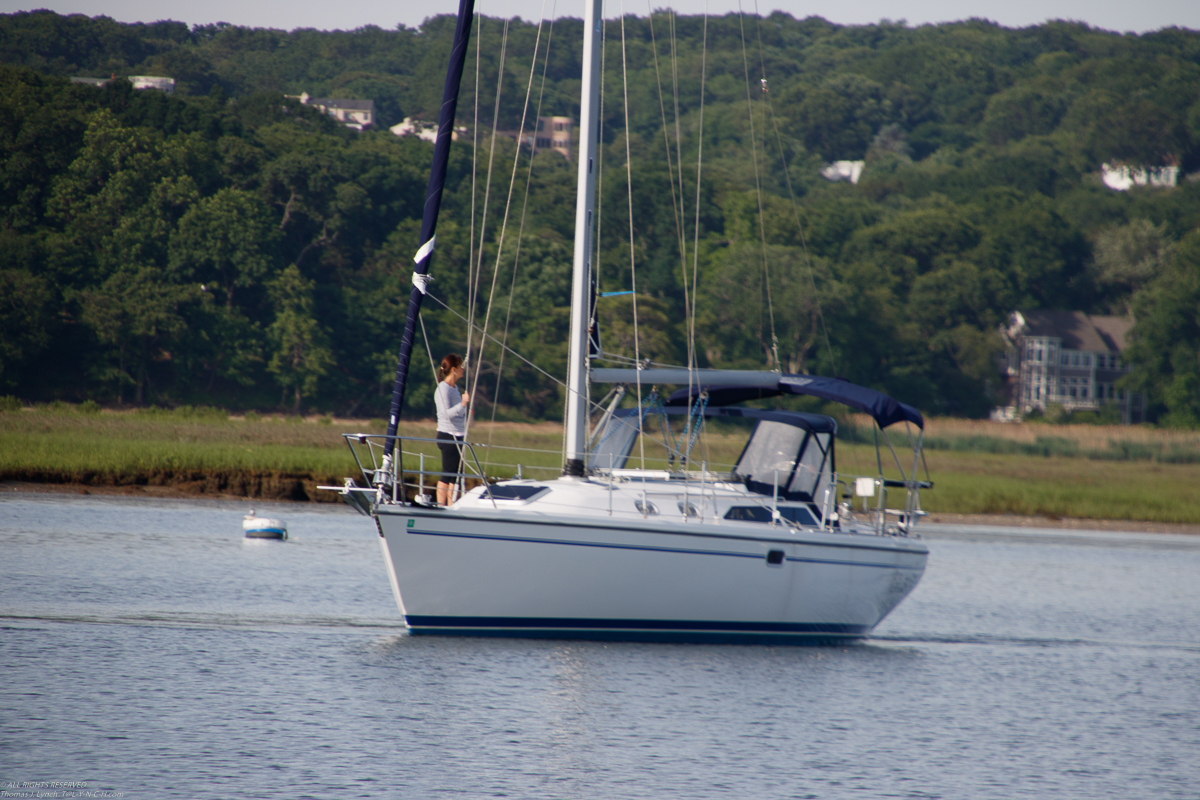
{"x":501,"y":491}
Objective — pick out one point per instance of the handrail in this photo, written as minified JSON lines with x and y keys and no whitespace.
{"x":895,"y":484}
{"x":392,"y":473}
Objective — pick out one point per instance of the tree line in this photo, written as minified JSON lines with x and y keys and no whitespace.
{"x":228,"y":245}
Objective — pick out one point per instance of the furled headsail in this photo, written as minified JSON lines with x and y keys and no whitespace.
{"x":433,"y":203}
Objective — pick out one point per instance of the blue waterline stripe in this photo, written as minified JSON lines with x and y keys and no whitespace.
{"x":665,"y":625}
{"x":757,"y":557}
{"x":653,"y":637}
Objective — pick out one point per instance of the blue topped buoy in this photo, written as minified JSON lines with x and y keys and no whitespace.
{"x":263,"y":527}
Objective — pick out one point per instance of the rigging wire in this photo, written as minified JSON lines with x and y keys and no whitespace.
{"x":507,"y":349}
{"x":762,"y":230}
{"x":676,"y":204}
{"x":678,"y":207}
{"x":425,"y":336}
{"x":679,"y":150}
{"x":632,"y":259}
{"x":692,"y":361}
{"x":791,"y":194}
{"x":512,"y":181}
{"x":524,"y":206}
{"x":473,"y":273}
{"x":474,"y":147}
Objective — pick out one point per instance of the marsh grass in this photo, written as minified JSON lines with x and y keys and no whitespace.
{"x":1088,"y":472}
{"x":969,"y":483}
{"x":73,"y":441}
{"x":1054,"y":471}
{"x":1093,"y":442}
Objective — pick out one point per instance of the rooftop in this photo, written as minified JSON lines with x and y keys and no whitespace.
{"x":1077,"y":330}
{"x":337,"y":102}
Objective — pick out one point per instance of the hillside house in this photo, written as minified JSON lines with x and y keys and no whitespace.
{"x":551,"y":133}
{"x":153,"y":82}
{"x":554,"y":133}
{"x":356,"y":114}
{"x":1069,"y":358}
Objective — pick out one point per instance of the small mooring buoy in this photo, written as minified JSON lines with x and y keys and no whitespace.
{"x":256,"y":527}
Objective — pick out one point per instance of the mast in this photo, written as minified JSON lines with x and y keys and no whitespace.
{"x":433,"y":203}
{"x":589,"y":136}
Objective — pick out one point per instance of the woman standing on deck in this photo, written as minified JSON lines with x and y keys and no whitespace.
{"x":451,"y":424}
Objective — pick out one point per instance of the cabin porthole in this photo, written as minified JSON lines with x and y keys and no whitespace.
{"x":774,"y":558}
{"x":645,"y":508}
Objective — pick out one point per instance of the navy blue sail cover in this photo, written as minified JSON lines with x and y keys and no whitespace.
{"x":885,"y":410}
{"x":433,"y":203}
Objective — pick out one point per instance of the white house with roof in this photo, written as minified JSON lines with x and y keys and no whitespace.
{"x":1123,"y":177}
{"x":423,"y":130}
{"x":356,"y":114}
{"x":158,"y":82}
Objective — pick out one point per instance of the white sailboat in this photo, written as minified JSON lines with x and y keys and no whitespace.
{"x":766,"y":552}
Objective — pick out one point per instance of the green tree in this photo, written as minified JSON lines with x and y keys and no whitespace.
{"x":226,"y":241}
{"x":841,"y":116}
{"x":1023,"y":110}
{"x":1127,"y":257}
{"x":1165,"y":348}
{"x":139,"y":314}
{"x":119,"y":200}
{"x":27,"y":306}
{"x":980,"y":196}
{"x":740,"y":295}
{"x":301,"y":354}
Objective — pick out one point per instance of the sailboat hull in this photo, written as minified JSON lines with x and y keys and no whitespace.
{"x":578,"y":558}
{"x":588,"y":576}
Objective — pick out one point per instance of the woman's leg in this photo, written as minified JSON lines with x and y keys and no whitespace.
{"x":447,"y":485}
{"x":456,"y":468}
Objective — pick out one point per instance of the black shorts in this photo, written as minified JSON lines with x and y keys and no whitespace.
{"x":448,"y":443}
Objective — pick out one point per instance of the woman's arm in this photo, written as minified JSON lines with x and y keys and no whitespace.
{"x":456,"y":411}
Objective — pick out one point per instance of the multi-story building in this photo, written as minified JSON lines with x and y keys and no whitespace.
{"x":1068,"y":358}
{"x":553,"y":133}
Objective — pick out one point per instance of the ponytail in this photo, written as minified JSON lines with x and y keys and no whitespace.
{"x":450,"y":362}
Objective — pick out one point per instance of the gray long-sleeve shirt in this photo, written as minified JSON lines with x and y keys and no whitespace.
{"x":451,"y":413}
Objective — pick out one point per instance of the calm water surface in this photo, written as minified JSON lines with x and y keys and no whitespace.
{"x":147,"y":649}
